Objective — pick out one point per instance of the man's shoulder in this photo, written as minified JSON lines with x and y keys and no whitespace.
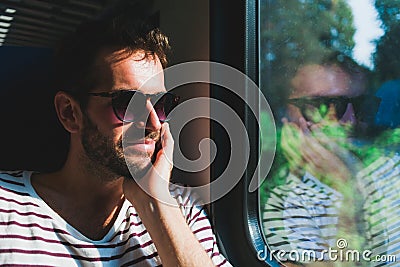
{"x":13,"y":181}
{"x":13,"y":173}
{"x":381,"y":167}
{"x":12,"y":176}
{"x":189,"y":202}
{"x":185,"y":195}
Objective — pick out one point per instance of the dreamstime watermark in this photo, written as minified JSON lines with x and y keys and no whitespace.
{"x":340,"y":254}
{"x":240,"y":86}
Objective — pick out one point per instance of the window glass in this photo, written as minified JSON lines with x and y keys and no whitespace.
{"x":330,"y":70}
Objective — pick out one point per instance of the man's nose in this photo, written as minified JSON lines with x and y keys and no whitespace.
{"x":349,"y":117}
{"x":151,"y":121}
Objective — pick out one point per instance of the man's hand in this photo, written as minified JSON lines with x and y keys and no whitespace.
{"x":307,"y":152}
{"x":155,"y":182}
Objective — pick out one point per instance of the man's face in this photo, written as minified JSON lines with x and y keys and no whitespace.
{"x":319,"y":92}
{"x":103,"y":133}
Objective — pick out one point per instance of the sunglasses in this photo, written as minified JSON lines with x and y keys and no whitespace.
{"x":163,"y":103}
{"x":316,"y":108}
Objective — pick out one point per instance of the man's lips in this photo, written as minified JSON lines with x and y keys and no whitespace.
{"x":144,"y":145}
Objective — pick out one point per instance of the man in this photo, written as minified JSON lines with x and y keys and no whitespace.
{"x":304,"y":208}
{"x":92,"y":212}
{"x":332,"y":181}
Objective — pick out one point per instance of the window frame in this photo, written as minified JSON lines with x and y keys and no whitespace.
{"x":235,"y":42}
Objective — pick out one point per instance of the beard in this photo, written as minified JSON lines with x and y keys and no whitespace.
{"x":104,"y":154}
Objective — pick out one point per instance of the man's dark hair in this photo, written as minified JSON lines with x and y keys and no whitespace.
{"x":75,"y":69}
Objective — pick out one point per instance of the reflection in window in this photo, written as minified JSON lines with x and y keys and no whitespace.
{"x":335,"y":182}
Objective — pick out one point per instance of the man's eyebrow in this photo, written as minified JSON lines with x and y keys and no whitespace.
{"x":137,"y":89}
{"x":121,"y":89}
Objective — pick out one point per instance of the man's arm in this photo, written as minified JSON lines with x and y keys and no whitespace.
{"x":175,"y":243}
{"x":160,"y":214}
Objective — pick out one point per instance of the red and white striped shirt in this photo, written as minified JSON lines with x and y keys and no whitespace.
{"x":32,"y":234}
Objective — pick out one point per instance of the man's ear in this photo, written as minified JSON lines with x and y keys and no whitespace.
{"x":68,"y":111}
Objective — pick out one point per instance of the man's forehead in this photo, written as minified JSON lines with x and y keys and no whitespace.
{"x":317,"y":80}
{"x":138,"y":70}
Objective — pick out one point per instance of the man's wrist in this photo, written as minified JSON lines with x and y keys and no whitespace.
{"x":145,"y":199}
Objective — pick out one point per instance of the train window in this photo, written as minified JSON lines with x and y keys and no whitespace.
{"x":330,"y":71}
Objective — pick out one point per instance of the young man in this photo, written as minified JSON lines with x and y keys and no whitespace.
{"x":92,"y":212}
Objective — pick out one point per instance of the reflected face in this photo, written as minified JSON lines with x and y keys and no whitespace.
{"x":103,"y":133}
{"x":322,"y":91}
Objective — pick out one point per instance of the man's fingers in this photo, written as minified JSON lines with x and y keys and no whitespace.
{"x":164,"y":159}
{"x":167,"y":141}
{"x":304,"y":126}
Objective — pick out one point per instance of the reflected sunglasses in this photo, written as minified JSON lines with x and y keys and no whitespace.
{"x":309,"y":105}
{"x":163,"y":104}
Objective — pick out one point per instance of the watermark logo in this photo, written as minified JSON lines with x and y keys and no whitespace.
{"x":341,"y":243}
{"x":339,"y":254}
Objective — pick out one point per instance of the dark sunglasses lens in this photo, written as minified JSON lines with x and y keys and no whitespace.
{"x":340,"y":107}
{"x":127,"y":112}
{"x":121,"y":104}
{"x":318,"y":108}
{"x":165,"y":105}
{"x":313,"y":112}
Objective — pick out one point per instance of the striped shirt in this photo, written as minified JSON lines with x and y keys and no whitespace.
{"x":380,"y":182}
{"x":303,"y":214}
{"x":32,"y":234}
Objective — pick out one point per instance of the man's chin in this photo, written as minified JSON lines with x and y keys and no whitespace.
{"x":138,"y":169}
